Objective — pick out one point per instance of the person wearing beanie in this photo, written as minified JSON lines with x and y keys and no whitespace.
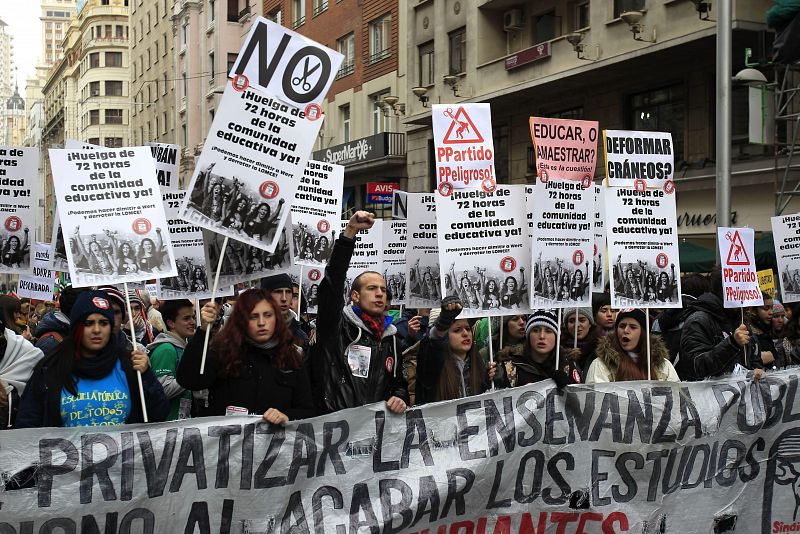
{"x":91,"y":379}
{"x":604,"y":314}
{"x":280,"y":286}
{"x":622,"y":355}
{"x":144,"y":333}
{"x":583,"y":355}
{"x":54,"y":326}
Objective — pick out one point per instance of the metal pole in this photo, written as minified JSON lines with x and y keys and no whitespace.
{"x":723,"y":123}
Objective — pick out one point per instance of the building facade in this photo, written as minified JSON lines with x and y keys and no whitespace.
{"x":6,"y":62}
{"x":55,"y":18}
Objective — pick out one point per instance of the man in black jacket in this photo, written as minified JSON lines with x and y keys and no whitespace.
{"x":354,"y":338}
{"x":280,"y":287}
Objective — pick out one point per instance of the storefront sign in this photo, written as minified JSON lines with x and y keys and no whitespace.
{"x":529,"y":55}
{"x":381,"y":193}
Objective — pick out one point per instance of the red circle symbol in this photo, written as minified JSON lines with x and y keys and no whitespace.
{"x":240,"y":82}
{"x":543,"y":177}
{"x":577,"y":257}
{"x":13,"y":223}
{"x":314,"y":275}
{"x":445,"y":189}
{"x":640,"y":185}
{"x":101,"y":303}
{"x":669,"y":187}
{"x":269,"y":190}
{"x":508,"y":264}
{"x":142,"y":226}
{"x":313,"y":112}
{"x":489,"y":185}
{"x":323,"y":226}
{"x":586,"y":181}
{"x":661,"y":260}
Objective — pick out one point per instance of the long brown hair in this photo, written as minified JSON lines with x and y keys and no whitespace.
{"x":449,"y":385}
{"x":230,"y":342}
{"x":629,"y":369}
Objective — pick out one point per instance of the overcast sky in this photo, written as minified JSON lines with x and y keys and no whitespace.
{"x":22,"y":17}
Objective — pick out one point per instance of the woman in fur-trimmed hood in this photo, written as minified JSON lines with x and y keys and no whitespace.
{"x":621,"y":355}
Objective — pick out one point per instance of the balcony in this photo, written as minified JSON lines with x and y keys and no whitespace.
{"x":379,"y":56}
{"x":320,"y":7}
{"x":346,"y":69}
{"x":299,"y":21}
{"x":387,"y":148}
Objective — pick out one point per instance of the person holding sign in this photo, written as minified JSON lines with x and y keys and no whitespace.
{"x":90,"y":379}
{"x":355,"y":360}
{"x":622,"y":355}
{"x":252,"y":365}
{"x":587,"y":337}
{"x":537,"y":361}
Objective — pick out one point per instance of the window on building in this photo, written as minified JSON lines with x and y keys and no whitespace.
{"x":661,"y":110}
{"x":113,"y":142}
{"x":94,"y":60}
{"x":580,"y":15}
{"x":233,"y":11}
{"x":621,"y":6}
{"x":164,"y":122}
{"x":211,"y":67}
{"x":185,"y":85}
{"x":320,"y":6}
{"x":113,"y":116}
{"x":149,"y":59}
{"x":501,"y":149}
{"x":344,"y":114}
{"x":231,"y":61}
{"x":113,"y":59}
{"x":94,"y":117}
{"x":94,"y":140}
{"x":426,"y":64}
{"x":184,"y":135}
{"x":156,"y":54}
{"x":184,"y":35}
{"x":120,"y":32}
{"x":211,"y":14}
{"x":276,"y":16}
{"x":210,"y":116}
{"x":347,"y":47}
{"x":380,"y":31}
{"x":164,"y":85}
{"x":94,"y":88}
{"x":546,"y":27}
{"x":113,"y":88}
{"x":298,"y":13}
{"x":458,"y":51}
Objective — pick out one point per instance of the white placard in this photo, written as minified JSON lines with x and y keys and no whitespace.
{"x":422,"y":252}
{"x":40,"y":284}
{"x":58,"y":256}
{"x":631,"y":156}
{"x":464,"y":148}
{"x":600,"y":259}
{"x":316,"y":212}
{"x":739,"y":277}
{"x":168,"y":162}
{"x":19,"y":201}
{"x":367,"y":254}
{"x":394,"y":259}
{"x":786,"y":234}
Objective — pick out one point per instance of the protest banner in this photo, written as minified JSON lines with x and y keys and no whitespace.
{"x":786,"y":236}
{"x":626,"y":457}
{"x":394,"y":259}
{"x":40,"y":284}
{"x":563,"y":244}
{"x":565,"y":149}
{"x":19,"y":201}
{"x":462,"y":135}
{"x":422,"y":252}
{"x":766,"y":282}
{"x":484,"y":235}
{"x":643,"y":244}
{"x":309,"y":285}
{"x":316,"y":212}
{"x":247,"y":175}
{"x":116,"y":191}
{"x":168,"y":162}
{"x":399,"y":205}
{"x":739,"y":278}
{"x":58,"y":256}
{"x":283,"y":63}
{"x":193,"y":278}
{"x":631,"y":156}
{"x":599,"y":260}
{"x":529,"y":208}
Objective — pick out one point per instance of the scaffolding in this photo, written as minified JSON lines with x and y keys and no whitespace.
{"x":787,"y":134}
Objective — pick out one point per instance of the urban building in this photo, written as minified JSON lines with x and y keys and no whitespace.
{"x":55,"y":18}
{"x":152,"y":72}
{"x":6,"y":62}
{"x":34,"y":112}
{"x":582,"y":60}
{"x":13,"y":120}
{"x":363,"y":111}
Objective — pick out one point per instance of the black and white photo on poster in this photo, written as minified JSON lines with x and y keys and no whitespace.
{"x":18,"y":205}
{"x":316,"y":212}
{"x":563,"y":244}
{"x":599,"y":260}
{"x":112,"y":215}
{"x":484,"y":245}
{"x":642,"y":248}
{"x":247,"y":175}
{"x":312,"y":276}
{"x":58,"y":258}
{"x":394,"y":260}
{"x":367,"y":254}
{"x":423,"y":276}
{"x":168,"y":159}
{"x":786,"y":234}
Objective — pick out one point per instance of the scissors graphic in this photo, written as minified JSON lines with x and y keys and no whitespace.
{"x":303,"y":80}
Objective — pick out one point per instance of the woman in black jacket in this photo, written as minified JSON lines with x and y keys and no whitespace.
{"x":90,"y":378}
{"x":253,"y":363}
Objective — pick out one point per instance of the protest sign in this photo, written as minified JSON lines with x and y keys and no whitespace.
{"x":312,"y":276}
{"x":168,"y":161}
{"x":739,"y":278}
{"x":19,"y":169}
{"x":58,"y":256}
{"x":786,"y":235}
{"x":394,"y":259}
{"x":643,"y":244}
{"x":422,"y":252}
{"x":462,"y":135}
{"x":565,"y":149}
{"x":110,"y":207}
{"x":316,"y":212}
{"x":766,"y":281}
{"x":625,"y":457}
{"x":599,"y":259}
{"x":484,"y":234}
{"x":529,"y":208}
{"x":367,"y":255}
{"x":40,"y":284}
{"x":563,"y":243}
{"x":247,"y":175}
{"x":193,"y":280}
{"x":283,"y":63}
{"x":631,"y":156}
{"x":399,"y":205}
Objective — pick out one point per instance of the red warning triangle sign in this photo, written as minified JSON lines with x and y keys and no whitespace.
{"x":462,"y":129}
{"x":737,"y":254}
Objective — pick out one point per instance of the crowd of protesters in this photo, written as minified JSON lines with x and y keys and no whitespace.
{"x":77,"y":362}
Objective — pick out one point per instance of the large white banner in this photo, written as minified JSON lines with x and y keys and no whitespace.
{"x":563,"y":244}
{"x":41,"y":283}
{"x":485,"y":250}
{"x":111,"y":211}
{"x":786,"y":235}
{"x":316,"y":212}
{"x":631,"y":457}
{"x":247,"y":175}
{"x":168,"y":162}
{"x":394,"y":259}
{"x":739,"y":276}
{"x":19,"y":201}
{"x":422,"y":252}
{"x":462,"y":135}
{"x":643,"y":246}
{"x":631,"y":156}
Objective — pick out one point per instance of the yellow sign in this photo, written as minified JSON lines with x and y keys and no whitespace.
{"x":766,"y":281}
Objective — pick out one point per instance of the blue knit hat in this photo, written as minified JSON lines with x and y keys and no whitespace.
{"x":90,"y":302}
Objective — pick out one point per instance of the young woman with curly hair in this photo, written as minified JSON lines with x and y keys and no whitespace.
{"x":253,"y":362}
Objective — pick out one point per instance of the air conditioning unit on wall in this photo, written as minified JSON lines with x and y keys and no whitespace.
{"x":512,"y":20}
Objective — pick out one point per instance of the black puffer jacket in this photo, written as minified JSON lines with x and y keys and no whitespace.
{"x":339,"y":328}
{"x":707,"y":348}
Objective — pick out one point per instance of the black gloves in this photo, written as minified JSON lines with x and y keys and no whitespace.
{"x":561,"y":378}
{"x":447,"y":317}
